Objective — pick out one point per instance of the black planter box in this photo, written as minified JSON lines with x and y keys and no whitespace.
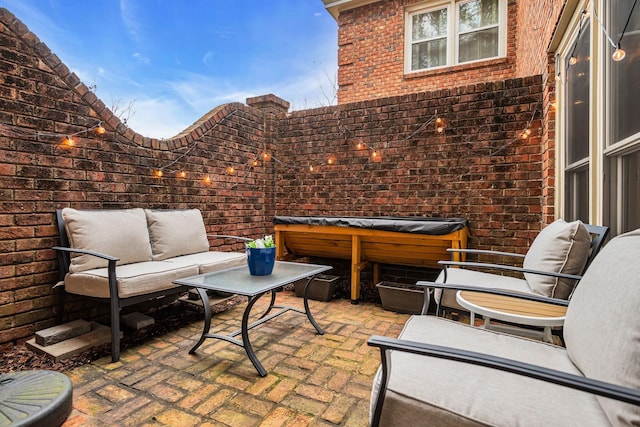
{"x":400,"y":298}
{"x":321,"y":288}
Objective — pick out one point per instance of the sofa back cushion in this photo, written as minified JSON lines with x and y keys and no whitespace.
{"x":561,"y":247}
{"x":176,"y":232}
{"x":120,"y":233}
{"x":602,"y":327}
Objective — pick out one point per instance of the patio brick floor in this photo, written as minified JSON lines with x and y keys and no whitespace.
{"x":316,"y":380}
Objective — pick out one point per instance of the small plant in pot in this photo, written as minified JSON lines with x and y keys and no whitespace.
{"x":261,"y":255}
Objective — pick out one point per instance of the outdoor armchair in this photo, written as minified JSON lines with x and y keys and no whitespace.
{"x":553,"y":265}
{"x":440,"y":372}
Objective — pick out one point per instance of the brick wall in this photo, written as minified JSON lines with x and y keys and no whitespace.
{"x":371,"y":55}
{"x":476,"y":169}
{"x":371,"y":50}
{"x":40,"y":101}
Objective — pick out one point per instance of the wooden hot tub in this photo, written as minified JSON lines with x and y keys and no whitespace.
{"x":413,"y":241}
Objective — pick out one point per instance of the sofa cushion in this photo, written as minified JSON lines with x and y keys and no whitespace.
{"x":120,"y":233}
{"x":561,"y":247}
{"x":462,"y":276}
{"x":133,"y":279}
{"x":602,"y":326}
{"x":208,"y":262}
{"x":429,"y":391}
{"x":176,"y":232}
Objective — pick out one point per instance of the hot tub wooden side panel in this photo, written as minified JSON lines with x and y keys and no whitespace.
{"x":364,"y":246}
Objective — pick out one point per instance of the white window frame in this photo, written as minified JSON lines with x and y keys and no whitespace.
{"x":453,"y":32}
{"x":600,"y":125}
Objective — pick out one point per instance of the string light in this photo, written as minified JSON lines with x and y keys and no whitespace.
{"x":254,"y":163}
{"x":158,"y":173}
{"x":231,"y":170}
{"x":440,"y":124}
{"x":618,"y":54}
{"x":310,"y":168}
{"x":266,"y":156}
{"x":182,"y":174}
{"x":69,"y":141}
{"x":331,"y":160}
{"x":206,"y":179}
{"x":100,"y":130}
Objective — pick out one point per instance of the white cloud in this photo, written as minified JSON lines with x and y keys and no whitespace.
{"x":159,"y":118}
{"x":128,"y":14}
{"x":140,"y":58}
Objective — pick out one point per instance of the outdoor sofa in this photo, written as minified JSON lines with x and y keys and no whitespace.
{"x":128,"y":256}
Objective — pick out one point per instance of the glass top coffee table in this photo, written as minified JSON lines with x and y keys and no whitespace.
{"x":238,"y":281}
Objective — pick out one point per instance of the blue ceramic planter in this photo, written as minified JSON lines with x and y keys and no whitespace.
{"x":261,"y":260}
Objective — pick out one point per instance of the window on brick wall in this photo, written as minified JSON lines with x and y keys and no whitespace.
{"x":445,"y":33}
{"x":599,"y":130}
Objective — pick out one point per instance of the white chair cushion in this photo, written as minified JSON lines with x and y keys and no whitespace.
{"x":462,"y":276}
{"x":176,"y":232}
{"x":602,"y":327}
{"x":133,"y":279}
{"x":119,"y":233}
{"x":450,"y":393}
{"x":208,"y":262}
{"x":561,"y":247}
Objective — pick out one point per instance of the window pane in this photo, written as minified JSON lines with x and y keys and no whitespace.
{"x":577,"y":188}
{"x":478,"y":14}
{"x":429,"y":54}
{"x":631,"y":192}
{"x":429,"y":25}
{"x":478,"y":45}
{"x":577,"y":88}
{"x":625,"y":84}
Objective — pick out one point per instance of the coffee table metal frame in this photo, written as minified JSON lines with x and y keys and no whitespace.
{"x":238,"y":281}
{"x":531,"y":313}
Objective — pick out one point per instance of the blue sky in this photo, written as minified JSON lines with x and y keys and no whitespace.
{"x":174,"y":60}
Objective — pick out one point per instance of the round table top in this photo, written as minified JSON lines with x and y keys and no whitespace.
{"x":512,"y":309}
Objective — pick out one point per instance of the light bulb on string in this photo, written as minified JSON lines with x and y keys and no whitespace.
{"x":68,"y":141}
{"x":573,"y":60}
{"x":311,"y":168}
{"x":375,"y":156}
{"x":266,"y":156}
{"x":525,"y":134}
{"x":254,"y":163}
{"x":440,"y":125}
{"x":360,"y":145}
{"x":231,"y":170}
{"x":158,"y":173}
{"x":331,"y":160}
{"x":206,"y":179}
{"x":618,"y":54}
{"x":182,"y":174}
{"x":100,"y":130}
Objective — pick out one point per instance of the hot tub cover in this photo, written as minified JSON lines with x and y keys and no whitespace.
{"x":420,"y":225}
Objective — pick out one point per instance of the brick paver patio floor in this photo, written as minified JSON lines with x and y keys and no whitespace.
{"x":315,"y":380}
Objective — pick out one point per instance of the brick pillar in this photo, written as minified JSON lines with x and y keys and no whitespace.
{"x":269,"y":104}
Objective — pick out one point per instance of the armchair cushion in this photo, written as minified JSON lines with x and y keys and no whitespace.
{"x":561,"y":247}
{"x":120,"y":233}
{"x":602,"y":325}
{"x":448,"y":393}
{"x":176,"y":232}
